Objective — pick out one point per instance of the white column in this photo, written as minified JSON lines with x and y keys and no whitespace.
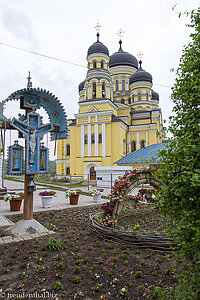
{"x":82,"y":140}
{"x":96,"y":139}
{"x":89,"y":139}
{"x":103,"y":139}
{"x":146,"y":139}
{"x":138,"y":141}
{"x":64,"y":156}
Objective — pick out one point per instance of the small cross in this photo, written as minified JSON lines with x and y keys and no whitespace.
{"x":120,"y":33}
{"x":29,"y":83}
{"x":140,"y":54}
{"x":97,"y":27}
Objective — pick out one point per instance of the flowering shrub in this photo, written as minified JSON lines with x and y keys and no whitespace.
{"x":78,"y":294}
{"x":72,"y":192}
{"x":95,"y":192}
{"x":108,"y":208}
{"x":47,"y":193}
{"x":123,"y":182}
{"x":9,"y":197}
{"x":123,"y":292}
{"x":107,"y":220}
{"x":149,"y":194}
{"x":118,"y":194}
{"x":137,"y":198}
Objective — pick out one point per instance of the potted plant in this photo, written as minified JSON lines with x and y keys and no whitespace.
{"x":15,"y":201}
{"x":96,"y":193}
{"x":73,"y":196}
{"x":47,"y":197}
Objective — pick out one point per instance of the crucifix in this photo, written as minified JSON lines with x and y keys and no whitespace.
{"x":32,"y":130}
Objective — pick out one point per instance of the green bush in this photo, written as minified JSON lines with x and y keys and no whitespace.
{"x":53,"y":244}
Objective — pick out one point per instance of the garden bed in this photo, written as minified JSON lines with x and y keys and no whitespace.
{"x":84,"y":263}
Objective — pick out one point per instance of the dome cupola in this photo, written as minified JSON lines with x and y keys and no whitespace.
{"x":155,"y":96}
{"x":140,"y":75}
{"x":122,"y":58}
{"x":98,"y":47}
{"x":81,"y":85}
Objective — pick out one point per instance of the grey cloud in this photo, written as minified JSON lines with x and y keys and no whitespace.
{"x":16,"y":22}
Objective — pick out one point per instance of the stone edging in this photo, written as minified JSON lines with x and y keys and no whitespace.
{"x":11,"y":239}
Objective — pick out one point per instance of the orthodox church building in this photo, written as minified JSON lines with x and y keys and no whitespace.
{"x":118,"y":113}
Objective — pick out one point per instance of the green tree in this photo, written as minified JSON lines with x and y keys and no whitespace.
{"x":52,"y":167}
{"x":180,"y":173}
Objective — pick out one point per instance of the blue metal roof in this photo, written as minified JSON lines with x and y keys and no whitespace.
{"x":142,"y":155}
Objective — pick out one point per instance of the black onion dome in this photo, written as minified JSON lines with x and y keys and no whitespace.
{"x":155,"y":96}
{"x":122,"y":58}
{"x":98,"y":47}
{"x":140,"y":75}
{"x":81,"y":85}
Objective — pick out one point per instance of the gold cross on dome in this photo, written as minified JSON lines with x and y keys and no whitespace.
{"x":120,"y":33}
{"x":140,"y":54}
{"x":97,"y":27}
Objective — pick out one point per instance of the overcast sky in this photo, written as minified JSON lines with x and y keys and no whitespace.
{"x":65,"y":29}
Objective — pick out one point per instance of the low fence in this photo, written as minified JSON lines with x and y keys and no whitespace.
{"x":106,"y":181}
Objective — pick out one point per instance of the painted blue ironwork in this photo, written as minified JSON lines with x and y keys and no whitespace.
{"x":50,"y":103}
{"x":43,"y":159}
{"x":32,"y":130}
{"x":31,"y":101}
{"x":15,"y":159}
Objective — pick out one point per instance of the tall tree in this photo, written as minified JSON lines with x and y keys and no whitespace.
{"x":181,"y":161}
{"x":180,"y":173}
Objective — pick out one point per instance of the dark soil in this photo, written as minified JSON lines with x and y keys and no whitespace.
{"x":84,"y":263}
{"x":145,"y":219}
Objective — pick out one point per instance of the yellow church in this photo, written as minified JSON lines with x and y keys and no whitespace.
{"x":118,"y":113}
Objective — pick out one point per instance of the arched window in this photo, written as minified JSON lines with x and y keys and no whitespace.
{"x":124,"y":146}
{"x":85,"y":138}
{"x":139,"y":97}
{"x":68,"y":149}
{"x":117,"y":85}
{"x":147,"y":97}
{"x":94,"y":89}
{"x":133,"y":146}
{"x":129,"y":100}
{"x":68,"y":171}
{"x":94,"y":64}
{"x":92,"y":138}
{"x":122,"y":101}
{"x":123,"y":85}
{"x":102,"y":64}
{"x":142,"y":144}
{"x":103,"y":90}
{"x":100,"y":138}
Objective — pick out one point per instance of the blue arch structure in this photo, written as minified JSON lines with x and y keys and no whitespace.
{"x":50,"y":103}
